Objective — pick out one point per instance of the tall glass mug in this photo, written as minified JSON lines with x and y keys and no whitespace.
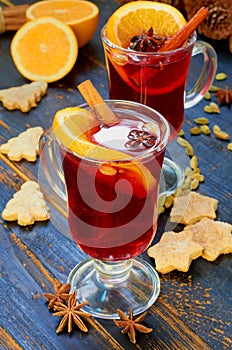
{"x":112,"y":205}
{"x":159,"y":80}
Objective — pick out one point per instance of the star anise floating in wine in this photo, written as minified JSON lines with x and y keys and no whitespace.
{"x":141,"y":137}
{"x":61,"y":294}
{"x":131,"y":325}
{"x":224,"y":96}
{"x":71,"y":313}
{"x":147,"y":42}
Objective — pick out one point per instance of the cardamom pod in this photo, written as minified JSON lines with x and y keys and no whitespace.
{"x":216,"y":128}
{"x":188,"y":171}
{"x":221,"y":76}
{"x":182,"y":142}
{"x":194,"y":184}
{"x":199,"y":177}
{"x":189,"y":150}
{"x":181,"y":133}
{"x":213,"y":88}
{"x":222,"y":135}
{"x":202,"y":120}
{"x":194,"y":162}
{"x":212,"y":108}
{"x":205,"y":129}
{"x":187,"y":184}
{"x":195,"y":171}
{"x":195,"y":130}
{"x":207,"y":96}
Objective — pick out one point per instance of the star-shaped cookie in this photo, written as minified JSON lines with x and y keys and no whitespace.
{"x":175,"y":251}
{"x":27,"y":205}
{"x":192,"y":207}
{"x":214,"y":236}
{"x":25,"y":145}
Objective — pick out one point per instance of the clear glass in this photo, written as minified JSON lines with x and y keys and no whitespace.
{"x":159,"y":80}
{"x":112,"y":213}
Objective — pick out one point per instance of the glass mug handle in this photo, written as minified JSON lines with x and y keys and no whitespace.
{"x":197,"y":92}
{"x":51,"y":163}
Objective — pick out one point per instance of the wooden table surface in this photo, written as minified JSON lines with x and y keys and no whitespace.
{"x":194,"y":309}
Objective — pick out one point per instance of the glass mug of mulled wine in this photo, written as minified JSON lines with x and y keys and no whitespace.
{"x":159,"y":80}
{"x":111,"y":175}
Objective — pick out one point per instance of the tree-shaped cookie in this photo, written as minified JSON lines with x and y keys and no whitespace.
{"x":23,"y":97}
{"x":27,"y":205}
{"x":25,"y":145}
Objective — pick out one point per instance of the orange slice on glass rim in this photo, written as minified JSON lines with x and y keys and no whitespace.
{"x":44,"y":49}
{"x":137,"y":17}
{"x":70,"y":126}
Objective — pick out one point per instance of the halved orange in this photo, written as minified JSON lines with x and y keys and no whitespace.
{"x":44,"y":49}
{"x":70,"y":125}
{"x":137,"y":17}
{"x":81,"y":15}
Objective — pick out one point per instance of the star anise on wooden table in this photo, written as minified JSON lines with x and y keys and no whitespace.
{"x":71,"y":313}
{"x":131,"y":325}
{"x":61,"y":294}
{"x":224,"y":96}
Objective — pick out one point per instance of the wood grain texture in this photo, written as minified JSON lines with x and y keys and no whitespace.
{"x":194,"y":309}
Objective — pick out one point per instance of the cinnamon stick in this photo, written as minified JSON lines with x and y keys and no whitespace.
{"x":15,"y":11}
{"x":14,"y":17}
{"x":98,"y":106}
{"x":178,"y":39}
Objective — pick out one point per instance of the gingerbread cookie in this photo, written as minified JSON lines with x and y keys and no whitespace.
{"x":214,"y":236}
{"x":23,"y":97}
{"x":191,"y":208}
{"x":25,"y":145}
{"x":27,"y":205}
{"x":175,"y":251}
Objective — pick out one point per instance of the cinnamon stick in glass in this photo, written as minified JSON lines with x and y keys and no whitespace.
{"x":98,"y":106}
{"x":178,"y":39}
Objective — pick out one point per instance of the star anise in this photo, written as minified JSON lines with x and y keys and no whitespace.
{"x":224,"y":96}
{"x":71,"y":314}
{"x":147,"y":42}
{"x":61,"y":294}
{"x":141,"y":137}
{"x":131,"y":325}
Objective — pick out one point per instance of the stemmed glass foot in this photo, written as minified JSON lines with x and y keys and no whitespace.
{"x":108,"y":286}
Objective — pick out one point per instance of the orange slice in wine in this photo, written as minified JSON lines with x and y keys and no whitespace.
{"x":70,"y":126}
{"x":137,"y":17}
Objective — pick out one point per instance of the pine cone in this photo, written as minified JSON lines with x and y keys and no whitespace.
{"x":218,"y":24}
